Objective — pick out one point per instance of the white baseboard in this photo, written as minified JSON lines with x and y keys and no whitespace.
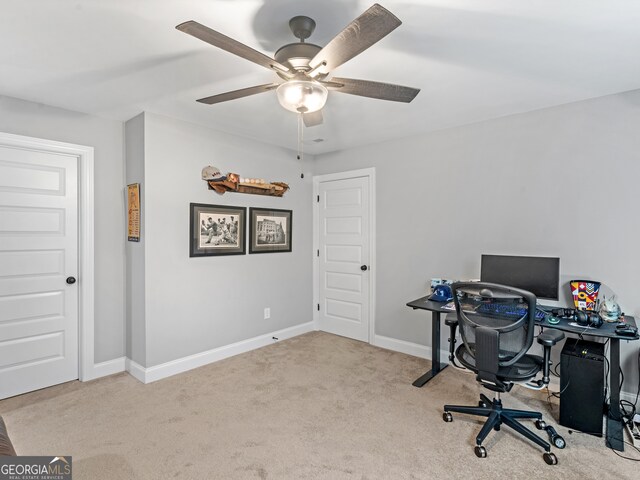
{"x":151,"y":374}
{"x":629,"y":397}
{"x":136,"y":370}
{"x":409,"y":348}
{"x":164,"y":370}
{"x":103,"y":369}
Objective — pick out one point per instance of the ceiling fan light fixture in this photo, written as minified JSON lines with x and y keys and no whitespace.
{"x":305,"y":68}
{"x":302,"y":96}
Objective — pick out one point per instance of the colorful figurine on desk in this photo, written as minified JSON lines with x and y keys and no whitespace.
{"x":609,"y":310}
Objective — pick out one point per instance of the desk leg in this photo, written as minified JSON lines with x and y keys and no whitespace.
{"x":436,"y":366}
{"x":614,"y":420}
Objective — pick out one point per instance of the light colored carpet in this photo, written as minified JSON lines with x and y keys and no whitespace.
{"x":316,"y":406}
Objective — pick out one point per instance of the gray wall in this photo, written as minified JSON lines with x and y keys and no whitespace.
{"x":197,"y":304}
{"x":36,"y":120}
{"x":565,"y":177}
{"x":135,"y":252}
{"x":561,"y":182}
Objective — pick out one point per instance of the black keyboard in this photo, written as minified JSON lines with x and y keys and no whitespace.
{"x":508,"y":311}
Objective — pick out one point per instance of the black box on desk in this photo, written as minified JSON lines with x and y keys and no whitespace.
{"x":582,"y":386}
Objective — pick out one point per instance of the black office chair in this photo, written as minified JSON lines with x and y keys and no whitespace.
{"x":497,"y":326}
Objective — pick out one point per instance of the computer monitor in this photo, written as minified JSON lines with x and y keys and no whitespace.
{"x":538,"y":275}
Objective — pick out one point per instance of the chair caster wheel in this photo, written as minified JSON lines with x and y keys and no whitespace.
{"x":482,"y":404}
{"x":447,"y":417}
{"x":541,"y":424}
{"x":481,"y":452}
{"x":559,"y":442}
{"x":549,"y":458}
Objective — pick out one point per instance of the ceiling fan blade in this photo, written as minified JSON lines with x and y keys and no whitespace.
{"x":364,"y":31}
{"x":219,"y":40}
{"x":312,"y":119}
{"x":243,"y":92}
{"x":367,"y":88}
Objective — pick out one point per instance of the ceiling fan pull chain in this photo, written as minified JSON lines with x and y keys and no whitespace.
{"x":301,"y":144}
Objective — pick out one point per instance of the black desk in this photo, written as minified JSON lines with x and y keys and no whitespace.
{"x":436,"y":309}
{"x":607,"y":331}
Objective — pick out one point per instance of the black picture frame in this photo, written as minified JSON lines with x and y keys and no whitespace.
{"x":216,"y":230}
{"x":270,"y":230}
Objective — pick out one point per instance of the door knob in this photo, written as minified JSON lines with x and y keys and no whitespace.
{"x":364,"y":268}
{"x":71,"y":280}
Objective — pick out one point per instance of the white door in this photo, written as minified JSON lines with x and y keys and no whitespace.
{"x":38,"y":251}
{"x":344,"y":255}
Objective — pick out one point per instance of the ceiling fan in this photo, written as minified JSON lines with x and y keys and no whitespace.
{"x":305,"y":67}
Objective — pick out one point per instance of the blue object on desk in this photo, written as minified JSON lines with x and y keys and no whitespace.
{"x":441,"y":293}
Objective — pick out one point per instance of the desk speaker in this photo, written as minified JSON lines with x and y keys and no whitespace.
{"x":582,"y":386}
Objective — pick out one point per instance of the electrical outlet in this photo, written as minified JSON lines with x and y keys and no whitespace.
{"x":267,"y":313}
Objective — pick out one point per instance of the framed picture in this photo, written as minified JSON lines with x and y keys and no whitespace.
{"x":270,"y":230}
{"x":133,"y":212}
{"x":216,"y":230}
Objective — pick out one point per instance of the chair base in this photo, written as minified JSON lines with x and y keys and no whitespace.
{"x":496,"y":417}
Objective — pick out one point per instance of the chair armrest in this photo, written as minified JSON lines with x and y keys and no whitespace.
{"x":451,"y":319}
{"x":550,"y":337}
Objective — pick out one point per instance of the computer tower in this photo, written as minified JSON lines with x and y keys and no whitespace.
{"x":582,"y":386}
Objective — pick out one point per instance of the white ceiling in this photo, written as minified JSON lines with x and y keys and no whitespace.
{"x":472,"y":59}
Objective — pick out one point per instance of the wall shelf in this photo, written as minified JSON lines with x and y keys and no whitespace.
{"x":274,"y":189}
